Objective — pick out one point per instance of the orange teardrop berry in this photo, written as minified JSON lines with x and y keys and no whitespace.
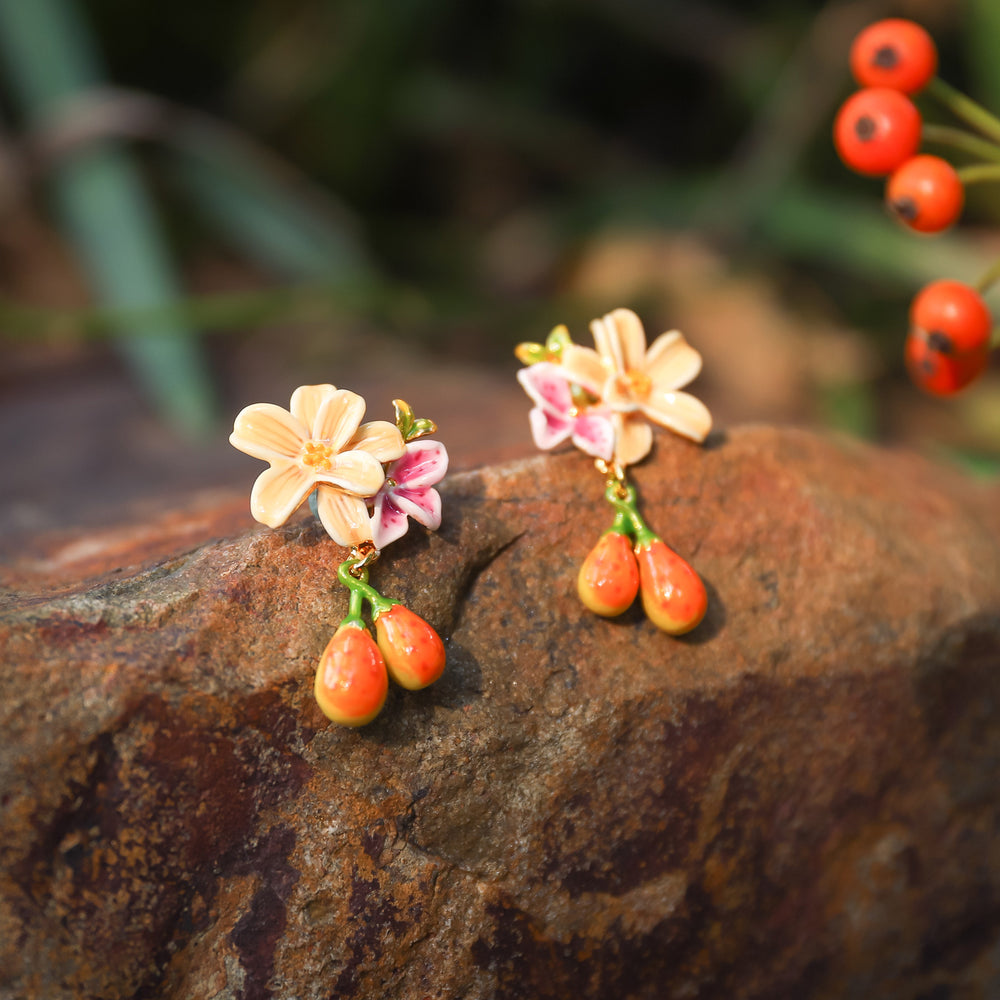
{"x":609,"y":577}
{"x":351,"y":680}
{"x":673,"y":595}
{"x":413,"y":651}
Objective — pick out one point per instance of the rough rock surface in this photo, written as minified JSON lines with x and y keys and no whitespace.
{"x":798,"y":800}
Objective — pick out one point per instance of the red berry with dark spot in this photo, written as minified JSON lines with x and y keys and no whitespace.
{"x":894,"y":53}
{"x":948,"y":344}
{"x":925,"y":194}
{"x":877,"y":130}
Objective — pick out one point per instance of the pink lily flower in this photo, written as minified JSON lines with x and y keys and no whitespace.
{"x":407,"y":492}
{"x":555,"y":417}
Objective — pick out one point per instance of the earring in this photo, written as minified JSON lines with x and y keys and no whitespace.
{"x":320,"y":450}
{"x":603,"y":401}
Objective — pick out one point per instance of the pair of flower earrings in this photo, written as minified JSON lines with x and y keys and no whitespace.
{"x":365,"y":481}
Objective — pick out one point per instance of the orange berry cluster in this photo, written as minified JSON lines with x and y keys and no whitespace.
{"x":878,"y":132}
{"x":352,"y":680}
{"x":629,"y":559}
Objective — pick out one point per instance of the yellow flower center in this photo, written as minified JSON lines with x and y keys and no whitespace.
{"x":317,"y":456}
{"x":633,"y":383}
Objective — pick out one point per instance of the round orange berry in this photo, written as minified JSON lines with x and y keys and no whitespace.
{"x":894,"y":53}
{"x":926,"y":194}
{"x":948,"y":344}
{"x":877,"y":130}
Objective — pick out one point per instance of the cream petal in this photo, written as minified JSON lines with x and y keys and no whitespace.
{"x":618,"y":395}
{"x":672,"y":362}
{"x":621,"y":339}
{"x":306,"y":401}
{"x":378,"y":438}
{"x":583,"y":365}
{"x":344,"y":517}
{"x":266,"y":431}
{"x":679,"y":412}
{"x":608,"y":344}
{"x":631,"y":337}
{"x":356,"y":472}
{"x":278,"y":491}
{"x":338,"y":417}
{"x":633,"y":439}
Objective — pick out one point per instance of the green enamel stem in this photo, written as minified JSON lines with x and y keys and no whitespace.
{"x":622,"y":525}
{"x":956,"y":138}
{"x":965,"y":108}
{"x":361,"y":590}
{"x":627,"y":511}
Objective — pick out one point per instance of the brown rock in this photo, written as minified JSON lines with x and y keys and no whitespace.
{"x":797,"y":800}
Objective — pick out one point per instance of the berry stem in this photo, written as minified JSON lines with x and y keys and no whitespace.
{"x":628,"y":513}
{"x":967,"y":142}
{"x":988,"y":278}
{"x":964,"y":107}
{"x":979,"y":172}
{"x":361,"y":590}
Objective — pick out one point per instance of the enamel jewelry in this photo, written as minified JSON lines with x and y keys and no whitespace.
{"x":603,"y":402}
{"x":364,"y":481}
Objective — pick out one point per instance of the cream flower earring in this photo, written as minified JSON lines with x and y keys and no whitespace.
{"x":319,"y":450}
{"x":603,"y":400}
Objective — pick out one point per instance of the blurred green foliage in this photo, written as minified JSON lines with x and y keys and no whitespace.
{"x":428,"y":128}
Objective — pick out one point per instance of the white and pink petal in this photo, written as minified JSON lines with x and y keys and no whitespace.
{"x":423,"y":505}
{"x":548,"y":429}
{"x":424,"y":464}
{"x":595,"y":435}
{"x":547,"y":386}
{"x":388,"y":522}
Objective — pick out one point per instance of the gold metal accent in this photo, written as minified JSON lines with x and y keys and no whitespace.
{"x":614,"y":475}
{"x":364,"y":554}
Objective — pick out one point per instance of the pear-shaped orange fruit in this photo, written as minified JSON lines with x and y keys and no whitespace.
{"x":673,"y":595}
{"x":609,"y":577}
{"x":413,"y":651}
{"x":351,"y":680}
